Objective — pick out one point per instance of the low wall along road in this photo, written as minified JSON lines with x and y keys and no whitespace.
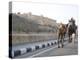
{"x":26,"y":38}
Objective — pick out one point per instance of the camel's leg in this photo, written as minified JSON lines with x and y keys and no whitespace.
{"x":58,"y":44}
{"x":69,"y":38}
{"x":58,"y":40}
{"x":73,"y":38}
{"x":62,"y":38}
{"x":64,"y":34}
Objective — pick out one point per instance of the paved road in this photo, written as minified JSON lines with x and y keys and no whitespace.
{"x":68,"y":49}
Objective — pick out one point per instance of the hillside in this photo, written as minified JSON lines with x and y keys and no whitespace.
{"x":26,"y":24}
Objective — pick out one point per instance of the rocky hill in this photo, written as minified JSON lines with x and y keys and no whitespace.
{"x":28,"y":23}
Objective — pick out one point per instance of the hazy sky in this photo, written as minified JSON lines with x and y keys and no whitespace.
{"x":59,"y":12}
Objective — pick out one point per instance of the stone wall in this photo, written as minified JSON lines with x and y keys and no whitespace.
{"x":26,"y":38}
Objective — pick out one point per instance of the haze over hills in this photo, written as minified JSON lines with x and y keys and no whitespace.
{"x":28,"y":23}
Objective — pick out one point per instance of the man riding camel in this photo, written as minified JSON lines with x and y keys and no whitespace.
{"x":71,"y":28}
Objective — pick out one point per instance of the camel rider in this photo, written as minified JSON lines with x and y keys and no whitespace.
{"x":71,"y":23}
